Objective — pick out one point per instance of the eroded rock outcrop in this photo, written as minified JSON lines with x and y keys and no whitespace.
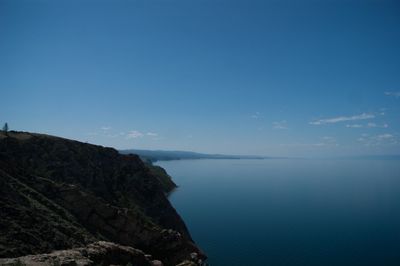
{"x":99,"y":253}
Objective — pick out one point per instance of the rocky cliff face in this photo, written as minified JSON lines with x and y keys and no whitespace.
{"x":60,"y":194}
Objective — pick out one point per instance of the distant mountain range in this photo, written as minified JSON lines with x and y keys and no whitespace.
{"x":161,"y":155}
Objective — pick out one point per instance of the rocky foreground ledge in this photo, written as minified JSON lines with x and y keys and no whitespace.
{"x":60,"y":197}
{"x":99,"y":253}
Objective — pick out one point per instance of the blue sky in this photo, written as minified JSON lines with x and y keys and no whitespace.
{"x":284,"y":78}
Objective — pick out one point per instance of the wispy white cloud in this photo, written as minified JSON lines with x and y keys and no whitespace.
{"x":381,"y":139}
{"x":338,"y":119}
{"x":327,"y":141}
{"x":134,"y":134}
{"x":354,"y":126}
{"x":385,"y":136}
{"x":385,"y":125}
{"x":115,"y":135}
{"x":256,"y":115}
{"x":395,"y":94}
{"x":280,"y":125}
{"x":368,"y":125}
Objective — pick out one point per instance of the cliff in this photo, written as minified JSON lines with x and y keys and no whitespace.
{"x":60,"y":194}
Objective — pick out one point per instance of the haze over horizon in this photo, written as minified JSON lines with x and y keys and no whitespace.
{"x":273,"y":78}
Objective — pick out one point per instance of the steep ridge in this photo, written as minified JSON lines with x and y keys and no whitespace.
{"x":59,"y":194}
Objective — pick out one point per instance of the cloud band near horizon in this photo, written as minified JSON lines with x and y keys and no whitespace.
{"x":338,"y":119}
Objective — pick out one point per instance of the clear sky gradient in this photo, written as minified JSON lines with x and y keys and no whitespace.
{"x":283,"y":78}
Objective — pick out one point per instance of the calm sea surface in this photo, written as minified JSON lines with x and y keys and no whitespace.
{"x":291,"y":212}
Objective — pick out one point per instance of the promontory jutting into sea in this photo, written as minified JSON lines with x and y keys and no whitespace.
{"x":200,"y":133}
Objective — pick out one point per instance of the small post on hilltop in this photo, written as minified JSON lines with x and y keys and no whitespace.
{"x":5,"y":128}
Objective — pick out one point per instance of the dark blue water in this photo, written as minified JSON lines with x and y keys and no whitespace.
{"x":291,"y":212}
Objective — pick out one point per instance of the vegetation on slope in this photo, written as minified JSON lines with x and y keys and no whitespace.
{"x":58,"y":193}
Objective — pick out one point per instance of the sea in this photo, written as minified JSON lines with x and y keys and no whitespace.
{"x":291,"y":212}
